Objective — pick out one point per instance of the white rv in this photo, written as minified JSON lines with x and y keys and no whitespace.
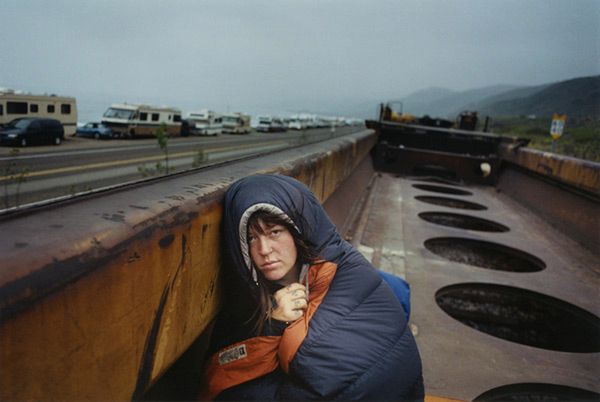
{"x":205,"y":122}
{"x":268,"y":124}
{"x":128,"y":120}
{"x":236,"y":123}
{"x":14,"y":105}
{"x":295,"y":123}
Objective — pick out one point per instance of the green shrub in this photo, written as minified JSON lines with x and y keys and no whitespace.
{"x":578,"y":140}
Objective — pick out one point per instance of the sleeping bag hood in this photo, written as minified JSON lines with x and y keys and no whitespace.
{"x":291,"y":198}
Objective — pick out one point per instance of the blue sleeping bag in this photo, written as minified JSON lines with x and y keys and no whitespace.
{"x":401,"y":289}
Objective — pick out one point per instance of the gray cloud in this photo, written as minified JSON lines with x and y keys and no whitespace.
{"x":290,"y":54}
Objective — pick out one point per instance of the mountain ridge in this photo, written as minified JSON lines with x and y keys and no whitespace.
{"x":576,"y":97}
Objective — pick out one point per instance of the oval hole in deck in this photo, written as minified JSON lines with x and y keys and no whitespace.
{"x":484,"y":254}
{"x":463,"y":221}
{"x":522,"y":316}
{"x":441,"y":189}
{"x":450,"y":202}
{"x":537,"y":392}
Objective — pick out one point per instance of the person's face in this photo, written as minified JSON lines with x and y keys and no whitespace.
{"x":274,"y":253}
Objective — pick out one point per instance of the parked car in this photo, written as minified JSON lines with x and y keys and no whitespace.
{"x":95,"y":130}
{"x":32,"y":131}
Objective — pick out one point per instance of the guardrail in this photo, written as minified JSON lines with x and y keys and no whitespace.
{"x":100,"y":295}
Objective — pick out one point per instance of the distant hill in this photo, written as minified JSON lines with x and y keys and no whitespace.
{"x":429,"y":95}
{"x":520,"y":92}
{"x":578,"y":97}
{"x":449,"y":103}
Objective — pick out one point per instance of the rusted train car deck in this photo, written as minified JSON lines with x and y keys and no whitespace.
{"x":475,"y":258}
{"x":501,"y":247}
{"x":112,"y":297}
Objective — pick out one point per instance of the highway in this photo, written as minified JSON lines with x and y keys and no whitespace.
{"x":83,"y":165}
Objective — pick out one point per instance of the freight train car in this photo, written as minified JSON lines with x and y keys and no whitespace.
{"x":113,"y":296}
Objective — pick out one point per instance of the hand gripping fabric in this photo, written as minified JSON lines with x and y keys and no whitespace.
{"x":255,"y":357}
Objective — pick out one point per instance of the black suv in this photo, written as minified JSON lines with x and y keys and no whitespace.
{"x":31,"y":131}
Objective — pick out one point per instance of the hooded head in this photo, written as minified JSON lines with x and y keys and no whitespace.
{"x":288,"y":198}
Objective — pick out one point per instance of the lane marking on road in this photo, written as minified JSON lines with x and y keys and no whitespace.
{"x":101,"y":150}
{"x":135,"y":160}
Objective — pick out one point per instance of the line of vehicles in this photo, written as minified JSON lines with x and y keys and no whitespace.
{"x":208,"y":122}
{"x":270,"y":124}
{"x":130,"y":121}
{"x":25,"y":120}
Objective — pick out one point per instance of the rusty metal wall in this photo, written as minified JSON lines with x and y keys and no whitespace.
{"x":577,"y":173}
{"x":419,"y":162}
{"x":564,"y":191}
{"x":98,"y":297}
{"x":345,"y":204}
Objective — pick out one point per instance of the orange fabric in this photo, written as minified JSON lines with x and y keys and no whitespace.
{"x":319,"y":278}
{"x":255,"y":357}
{"x":260,"y":358}
{"x":433,"y":398}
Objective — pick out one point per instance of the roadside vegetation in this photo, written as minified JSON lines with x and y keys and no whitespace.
{"x":162,"y":138}
{"x":580,"y":139}
{"x":13,"y":174}
{"x":200,"y":158}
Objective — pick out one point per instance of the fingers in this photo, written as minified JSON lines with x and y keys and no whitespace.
{"x":298,"y":294}
{"x":295,"y":287}
{"x":291,"y":302}
{"x":300,"y":304}
{"x":296,"y":291}
{"x":291,"y":292}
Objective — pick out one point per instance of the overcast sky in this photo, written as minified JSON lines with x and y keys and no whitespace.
{"x":245,"y":53}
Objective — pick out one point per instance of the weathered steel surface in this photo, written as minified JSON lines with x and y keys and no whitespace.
{"x":436,"y":138}
{"x":459,"y":361}
{"x":418,"y":150}
{"x":344,"y":206}
{"x":98,"y":297}
{"x":564,"y":191}
{"x":414,"y":161}
{"x":561,"y":189}
{"x":579,"y":173}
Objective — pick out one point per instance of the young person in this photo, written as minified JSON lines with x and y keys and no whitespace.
{"x":306,"y":316}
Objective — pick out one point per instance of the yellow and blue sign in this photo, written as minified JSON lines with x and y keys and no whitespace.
{"x":558,"y":125}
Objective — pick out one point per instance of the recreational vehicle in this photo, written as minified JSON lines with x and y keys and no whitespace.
{"x":269,"y":124}
{"x":15,"y":105}
{"x":128,"y":120}
{"x":236,"y":123}
{"x":295,"y":123}
{"x":205,"y":122}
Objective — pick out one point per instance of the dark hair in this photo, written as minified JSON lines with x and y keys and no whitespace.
{"x":305,"y":255}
